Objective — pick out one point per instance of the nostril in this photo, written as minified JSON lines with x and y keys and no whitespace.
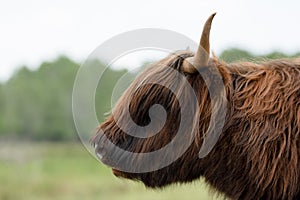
{"x":99,"y":156}
{"x":99,"y":150}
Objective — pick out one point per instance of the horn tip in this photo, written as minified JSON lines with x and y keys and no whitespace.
{"x":214,"y":14}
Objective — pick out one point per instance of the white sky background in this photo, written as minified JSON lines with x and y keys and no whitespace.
{"x":33,"y":31}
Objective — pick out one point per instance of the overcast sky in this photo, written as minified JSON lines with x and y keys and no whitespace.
{"x":33,"y":31}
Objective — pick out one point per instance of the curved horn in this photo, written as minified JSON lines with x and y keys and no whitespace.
{"x":201,"y":58}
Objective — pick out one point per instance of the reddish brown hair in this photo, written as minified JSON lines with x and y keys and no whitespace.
{"x":257,"y":155}
{"x":258,"y":151}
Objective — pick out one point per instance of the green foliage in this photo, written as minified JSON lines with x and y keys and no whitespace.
{"x":238,"y":55}
{"x":276,"y":55}
{"x":234,"y":55}
{"x":38,"y":103}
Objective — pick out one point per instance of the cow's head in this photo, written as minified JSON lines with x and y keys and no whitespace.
{"x":138,"y":126}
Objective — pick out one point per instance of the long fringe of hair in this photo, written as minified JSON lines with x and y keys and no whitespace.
{"x":257,"y":155}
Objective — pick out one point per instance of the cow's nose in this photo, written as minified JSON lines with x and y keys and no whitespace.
{"x":99,"y":156}
{"x":100,"y":151}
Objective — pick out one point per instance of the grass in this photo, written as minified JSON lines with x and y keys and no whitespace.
{"x":64,"y":171}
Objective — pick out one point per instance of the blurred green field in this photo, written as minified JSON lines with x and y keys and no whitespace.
{"x":66,"y":171}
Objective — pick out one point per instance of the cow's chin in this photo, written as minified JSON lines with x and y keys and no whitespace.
{"x":119,"y":174}
{"x":126,"y":175}
{"x":137,"y":177}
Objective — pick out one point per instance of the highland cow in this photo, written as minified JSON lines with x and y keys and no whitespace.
{"x":257,"y":155}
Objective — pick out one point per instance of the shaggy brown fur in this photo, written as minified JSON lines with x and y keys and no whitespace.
{"x":257,"y":155}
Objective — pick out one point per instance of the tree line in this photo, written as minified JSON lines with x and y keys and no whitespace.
{"x":37,"y":105}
